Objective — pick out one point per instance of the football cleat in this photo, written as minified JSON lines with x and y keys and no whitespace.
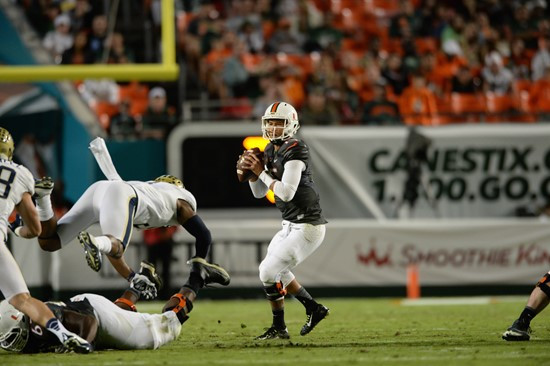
{"x":93,"y":255}
{"x":148,"y":270}
{"x":517,"y":332}
{"x":274,"y":333}
{"x":209,"y":272}
{"x":314,"y":318}
{"x":43,"y":187}
{"x":72,"y":342}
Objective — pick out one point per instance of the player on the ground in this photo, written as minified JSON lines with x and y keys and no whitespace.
{"x":287,"y":173}
{"x":105,"y":324}
{"x":118,"y":206}
{"x":16,"y":190}
{"x":520,"y":330}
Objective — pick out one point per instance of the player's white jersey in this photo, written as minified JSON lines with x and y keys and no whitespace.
{"x":157,"y":203}
{"x":15,"y":180}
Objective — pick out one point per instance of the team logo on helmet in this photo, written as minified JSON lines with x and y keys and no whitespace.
{"x":6,"y":144}
{"x":14,"y":328}
{"x":170,"y":179}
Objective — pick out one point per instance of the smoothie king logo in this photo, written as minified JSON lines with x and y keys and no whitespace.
{"x":375,"y":253}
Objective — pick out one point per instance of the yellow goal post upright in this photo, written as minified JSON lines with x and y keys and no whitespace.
{"x":166,"y":70}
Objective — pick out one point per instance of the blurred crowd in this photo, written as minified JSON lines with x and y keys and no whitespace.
{"x":373,"y":62}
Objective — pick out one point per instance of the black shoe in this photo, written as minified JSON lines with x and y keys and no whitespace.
{"x":517,"y":332}
{"x":148,"y":270}
{"x":76,"y":344}
{"x":314,"y":318}
{"x":209,"y":272}
{"x":93,"y":255}
{"x":274,"y":333}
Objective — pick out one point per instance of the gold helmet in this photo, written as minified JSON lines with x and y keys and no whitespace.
{"x":6,"y":144}
{"x":170,"y":179}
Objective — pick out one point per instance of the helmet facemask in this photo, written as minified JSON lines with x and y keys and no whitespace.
{"x":280,"y":112}
{"x":14,"y":328}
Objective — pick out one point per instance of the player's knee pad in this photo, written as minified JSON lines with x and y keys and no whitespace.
{"x":544,"y":284}
{"x":275,"y":292}
{"x":268,"y":273}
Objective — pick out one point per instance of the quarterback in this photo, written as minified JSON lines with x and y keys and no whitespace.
{"x":287,"y":172}
{"x":118,"y":206}
{"x":16,"y":190}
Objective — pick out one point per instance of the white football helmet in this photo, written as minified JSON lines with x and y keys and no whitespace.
{"x":14,"y":328}
{"x":282,"y":111}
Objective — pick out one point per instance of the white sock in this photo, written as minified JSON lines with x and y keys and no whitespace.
{"x":55,"y":327}
{"x":103,"y":244}
{"x":44,"y":208}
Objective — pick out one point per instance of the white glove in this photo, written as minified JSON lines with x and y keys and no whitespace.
{"x":146,"y":288}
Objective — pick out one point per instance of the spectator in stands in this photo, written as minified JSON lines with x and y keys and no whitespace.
{"x":539,"y":96}
{"x":343,"y":95}
{"x":235,"y":76}
{"x":270,"y":90}
{"x":325,"y":37}
{"x":380,"y":111}
{"x":284,"y":40}
{"x":41,"y":15}
{"x":317,"y":111}
{"x":97,"y":38}
{"x":82,"y":16}
{"x":519,"y":62}
{"x":123,"y":126}
{"x":78,"y":53}
{"x":95,"y":91}
{"x":159,"y":118}
{"x":407,"y":21}
{"x":251,"y":37}
{"x":395,"y":74}
{"x":523,"y":26}
{"x":541,"y":60}
{"x":417,"y":104}
{"x":463,"y":82}
{"x":496,"y":78}
{"x":60,"y":39}
{"x":117,"y":51}
{"x":160,"y":245}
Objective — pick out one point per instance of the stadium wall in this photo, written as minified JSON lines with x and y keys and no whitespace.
{"x":358,"y":258}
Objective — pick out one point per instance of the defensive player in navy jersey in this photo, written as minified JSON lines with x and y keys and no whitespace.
{"x":106,"y":325}
{"x":287,"y":172}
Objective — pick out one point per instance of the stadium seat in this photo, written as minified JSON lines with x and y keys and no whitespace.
{"x":468,"y":107}
{"x":499,"y":107}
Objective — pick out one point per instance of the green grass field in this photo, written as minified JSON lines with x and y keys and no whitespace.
{"x":357,"y":332}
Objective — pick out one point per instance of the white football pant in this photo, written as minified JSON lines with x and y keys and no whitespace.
{"x":123,"y":329}
{"x":288,"y":248}
{"x":110,"y":203}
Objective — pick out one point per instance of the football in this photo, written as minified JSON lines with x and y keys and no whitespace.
{"x":243,"y":174}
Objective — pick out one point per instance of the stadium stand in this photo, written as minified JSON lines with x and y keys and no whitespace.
{"x":340,"y":47}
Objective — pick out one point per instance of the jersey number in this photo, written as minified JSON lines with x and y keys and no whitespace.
{"x":6,"y":183}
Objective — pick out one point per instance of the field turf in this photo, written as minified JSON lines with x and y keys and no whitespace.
{"x":357,"y":332}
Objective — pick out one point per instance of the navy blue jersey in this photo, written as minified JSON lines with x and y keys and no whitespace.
{"x":41,"y":339}
{"x":304,"y":207}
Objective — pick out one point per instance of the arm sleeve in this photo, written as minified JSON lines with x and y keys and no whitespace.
{"x":259,"y":189}
{"x":196,"y":227}
{"x":287,"y":186}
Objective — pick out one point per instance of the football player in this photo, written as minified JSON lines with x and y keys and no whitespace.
{"x":105,"y":324}
{"x":16,"y":190}
{"x":118,"y":206}
{"x":520,"y":330}
{"x":287,"y":172}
